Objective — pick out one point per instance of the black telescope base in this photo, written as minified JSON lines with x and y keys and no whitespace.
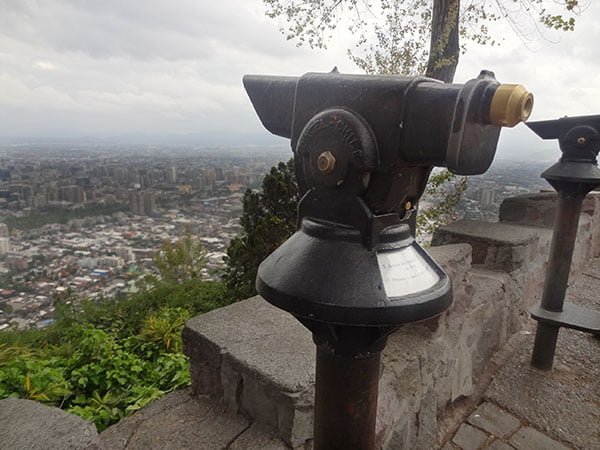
{"x":550,"y":322}
{"x":572,"y":316}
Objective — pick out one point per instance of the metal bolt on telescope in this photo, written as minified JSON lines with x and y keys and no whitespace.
{"x":573,"y":177}
{"x":352,"y":273}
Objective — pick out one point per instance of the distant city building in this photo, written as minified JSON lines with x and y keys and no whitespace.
{"x":83,"y":181}
{"x":136,"y":202}
{"x":88,"y":263}
{"x":145,"y":181}
{"x":4,"y":245}
{"x":171,"y":175}
{"x":72,"y":194}
{"x":126,"y":253}
{"x":487,"y":197}
{"x":39,"y":200}
{"x":16,"y":262}
{"x":209,"y":179}
{"x":3,"y":230}
{"x":142,"y":203}
{"x":149,"y":201}
{"x":111,"y":261}
{"x":90,"y":195}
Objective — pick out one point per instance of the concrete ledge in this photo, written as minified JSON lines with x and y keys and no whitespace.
{"x":29,"y":425}
{"x":177,"y":421}
{"x":539,"y":210}
{"x":497,"y":246}
{"x":260,"y":360}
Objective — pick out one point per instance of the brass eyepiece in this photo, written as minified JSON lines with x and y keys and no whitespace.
{"x":511,"y":104}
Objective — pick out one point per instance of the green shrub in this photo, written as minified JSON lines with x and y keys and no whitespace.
{"x":104,"y":360}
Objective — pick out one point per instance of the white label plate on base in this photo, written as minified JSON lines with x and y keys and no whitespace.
{"x":405,"y":271}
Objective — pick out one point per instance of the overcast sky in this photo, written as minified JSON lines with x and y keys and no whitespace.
{"x":105,"y":68}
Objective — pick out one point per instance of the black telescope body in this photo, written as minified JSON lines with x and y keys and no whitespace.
{"x":364,"y":147}
{"x":387,"y":124}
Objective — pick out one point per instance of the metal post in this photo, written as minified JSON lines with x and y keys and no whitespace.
{"x":557,"y":276}
{"x":345,"y":400}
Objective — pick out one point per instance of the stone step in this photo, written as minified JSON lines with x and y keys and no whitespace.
{"x":497,"y":246}
{"x":25,"y":424}
{"x":180,"y":421}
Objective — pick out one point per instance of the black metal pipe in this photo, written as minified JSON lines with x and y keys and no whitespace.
{"x":544,"y":346}
{"x":557,"y":276}
{"x":345,"y":400}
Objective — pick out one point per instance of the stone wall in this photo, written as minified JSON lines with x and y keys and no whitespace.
{"x":261,"y":361}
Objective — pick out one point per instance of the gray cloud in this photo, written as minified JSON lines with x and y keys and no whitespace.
{"x":167,"y":30}
{"x":85,"y":67}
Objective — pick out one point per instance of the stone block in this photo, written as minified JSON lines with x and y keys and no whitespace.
{"x":455,"y":259}
{"x":403,"y":435}
{"x":537,"y":210}
{"x":29,"y":425}
{"x":494,"y":420}
{"x":391,"y":411}
{"x":469,"y":438}
{"x":486,"y":323}
{"x":449,"y":446}
{"x":499,"y":445}
{"x":427,"y":422}
{"x":260,"y":359}
{"x":497,"y":246}
{"x":531,"y":439}
{"x":177,"y":421}
{"x":257,"y":438}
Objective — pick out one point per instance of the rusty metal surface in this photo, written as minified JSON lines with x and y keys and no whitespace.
{"x":345,"y":401}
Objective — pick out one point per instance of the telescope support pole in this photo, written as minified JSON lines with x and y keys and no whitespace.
{"x":345,"y":400}
{"x":557,"y":276}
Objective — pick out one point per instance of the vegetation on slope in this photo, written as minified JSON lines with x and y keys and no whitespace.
{"x":104,"y":360}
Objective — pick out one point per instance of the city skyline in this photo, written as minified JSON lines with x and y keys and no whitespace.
{"x":91,"y":220}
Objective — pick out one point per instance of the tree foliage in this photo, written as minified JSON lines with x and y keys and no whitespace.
{"x":180,"y":261}
{"x":268,"y":219}
{"x":392,"y":35}
{"x":444,"y":191}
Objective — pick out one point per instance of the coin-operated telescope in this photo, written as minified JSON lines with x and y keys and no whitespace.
{"x":364,"y":147}
{"x":573,"y":177}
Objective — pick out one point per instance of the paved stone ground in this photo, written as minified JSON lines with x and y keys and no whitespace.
{"x":527,"y":409}
{"x":179,"y":421}
{"x":29,"y":425}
